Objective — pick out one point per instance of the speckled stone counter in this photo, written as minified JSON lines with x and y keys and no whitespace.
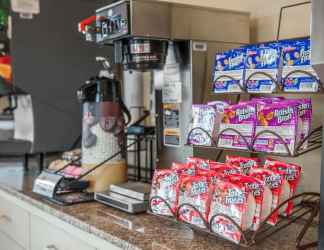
{"x":130,"y":232}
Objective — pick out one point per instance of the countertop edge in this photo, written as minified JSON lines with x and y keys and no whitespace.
{"x":69,"y":219}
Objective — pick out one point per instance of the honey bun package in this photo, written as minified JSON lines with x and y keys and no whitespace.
{"x":298,"y":74}
{"x":229,"y":70}
{"x":263,"y":67}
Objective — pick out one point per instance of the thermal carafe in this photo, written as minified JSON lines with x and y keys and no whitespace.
{"x":103,"y":132}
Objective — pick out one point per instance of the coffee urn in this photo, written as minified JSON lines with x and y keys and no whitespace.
{"x":103,"y":131}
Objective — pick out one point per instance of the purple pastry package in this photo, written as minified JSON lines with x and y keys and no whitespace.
{"x":305,"y":112}
{"x":238,"y":126}
{"x":282,"y":119}
{"x":271,"y":124}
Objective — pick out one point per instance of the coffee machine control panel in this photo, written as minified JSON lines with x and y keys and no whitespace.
{"x":112,"y":22}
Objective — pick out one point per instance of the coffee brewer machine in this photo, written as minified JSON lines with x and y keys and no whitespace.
{"x":176,"y":44}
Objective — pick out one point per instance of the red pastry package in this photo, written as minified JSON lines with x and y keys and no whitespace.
{"x":261,"y":193}
{"x":292,"y":173}
{"x":199,"y":163}
{"x":224,"y":169}
{"x":244,"y":163}
{"x":212,"y":176}
{"x":194,"y":191}
{"x":184,"y":168}
{"x":277,"y":184}
{"x":233,"y":200}
{"x":165,"y":185}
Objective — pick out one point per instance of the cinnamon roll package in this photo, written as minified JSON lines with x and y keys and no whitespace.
{"x":261,"y":193}
{"x":279,"y":187}
{"x":199,"y":163}
{"x":244,"y":163}
{"x":165,"y":186}
{"x":194,"y":200}
{"x":184,"y":169}
{"x":291,"y":173}
{"x":224,"y":169}
{"x":231,"y":202}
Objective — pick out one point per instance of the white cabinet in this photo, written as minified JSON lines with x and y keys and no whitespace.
{"x":14,"y":222}
{"x":26,"y":227}
{"x":45,"y":236}
{"x":8,"y":244}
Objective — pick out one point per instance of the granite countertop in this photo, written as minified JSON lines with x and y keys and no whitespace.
{"x":145,"y":232}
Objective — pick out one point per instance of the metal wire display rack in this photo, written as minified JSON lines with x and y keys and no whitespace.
{"x":313,"y":140}
{"x":306,"y":209}
{"x":307,"y":204}
{"x":279,"y":89}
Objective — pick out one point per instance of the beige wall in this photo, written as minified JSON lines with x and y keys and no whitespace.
{"x":264,"y":16}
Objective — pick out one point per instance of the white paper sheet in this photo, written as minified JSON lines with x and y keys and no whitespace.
{"x":25,"y":6}
{"x":24,"y":119}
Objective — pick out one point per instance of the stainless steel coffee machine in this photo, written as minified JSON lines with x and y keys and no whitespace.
{"x":165,"y":53}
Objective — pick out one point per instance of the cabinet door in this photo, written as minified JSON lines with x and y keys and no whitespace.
{"x":45,"y":236}
{"x":8,"y":244}
{"x":14,"y":222}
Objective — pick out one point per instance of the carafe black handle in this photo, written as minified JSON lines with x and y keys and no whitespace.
{"x":126,"y":111}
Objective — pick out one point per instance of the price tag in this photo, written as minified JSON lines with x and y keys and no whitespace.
{"x":171,"y":122}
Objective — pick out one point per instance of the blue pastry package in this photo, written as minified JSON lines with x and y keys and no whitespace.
{"x":263,"y":68}
{"x":228,"y":72}
{"x":298,"y":74}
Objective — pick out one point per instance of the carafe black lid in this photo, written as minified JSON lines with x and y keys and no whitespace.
{"x":100,"y":89}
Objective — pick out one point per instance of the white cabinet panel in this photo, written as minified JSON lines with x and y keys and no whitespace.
{"x":8,"y":244}
{"x":14,"y":222}
{"x":45,"y":236}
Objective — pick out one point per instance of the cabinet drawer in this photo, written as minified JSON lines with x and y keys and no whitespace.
{"x":8,"y":244}
{"x":45,"y":236}
{"x":14,"y":222}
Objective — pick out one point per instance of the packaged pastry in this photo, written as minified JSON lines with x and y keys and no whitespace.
{"x":218,"y":171}
{"x":195,"y":192}
{"x":262,"y":62}
{"x":224,"y":169}
{"x":305,"y":112}
{"x":205,"y":125}
{"x":72,"y":171}
{"x":244,"y":163}
{"x":279,"y":187}
{"x":261,"y":193}
{"x":234,"y":201}
{"x":228,"y":72}
{"x":165,"y":185}
{"x":292,"y":173}
{"x":199,"y":163}
{"x":238,"y":126}
{"x":281,"y":118}
{"x":184,"y":168}
{"x":297,"y":57}
{"x":213,"y":176}
{"x":219,"y":105}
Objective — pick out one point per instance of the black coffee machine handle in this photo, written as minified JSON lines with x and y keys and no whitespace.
{"x":125,"y":111}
